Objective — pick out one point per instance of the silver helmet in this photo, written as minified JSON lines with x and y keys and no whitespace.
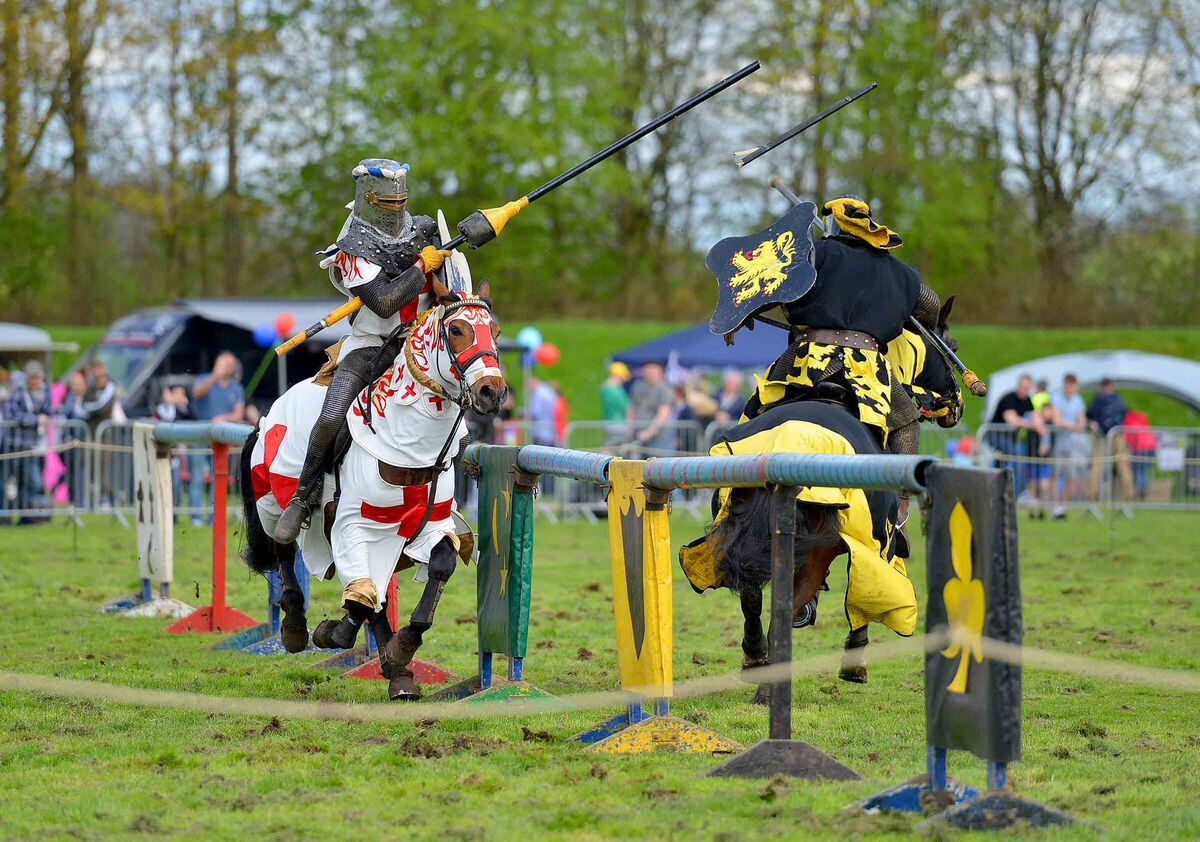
{"x":381,"y":194}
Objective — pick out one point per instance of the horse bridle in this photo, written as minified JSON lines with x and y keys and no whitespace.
{"x":461,"y":362}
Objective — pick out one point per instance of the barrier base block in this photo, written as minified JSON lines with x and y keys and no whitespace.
{"x":121,"y":603}
{"x":159,"y":607}
{"x":665,"y":733}
{"x":611,"y":726}
{"x":244,"y":638}
{"x":996,"y":810}
{"x":205,"y":620}
{"x":471,"y":690}
{"x":272,"y":644}
{"x":793,"y":758}
{"x":913,"y":796}
{"x":424,"y":672}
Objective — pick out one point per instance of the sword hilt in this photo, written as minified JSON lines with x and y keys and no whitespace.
{"x":976,"y":386}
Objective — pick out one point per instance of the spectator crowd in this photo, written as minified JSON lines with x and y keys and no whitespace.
{"x":1049,"y":439}
{"x":42,"y":426}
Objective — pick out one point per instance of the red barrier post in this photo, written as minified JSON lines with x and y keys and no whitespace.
{"x":217,"y":617}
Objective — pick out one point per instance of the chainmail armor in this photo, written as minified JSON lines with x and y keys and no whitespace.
{"x":904,"y":422}
{"x":394,"y":256}
{"x":389,"y":292}
{"x":928,"y":307}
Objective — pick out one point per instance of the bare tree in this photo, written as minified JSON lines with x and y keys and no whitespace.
{"x":1077,"y":93}
{"x":31,"y":76}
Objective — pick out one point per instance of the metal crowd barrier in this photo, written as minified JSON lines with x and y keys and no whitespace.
{"x":1130,"y":468}
{"x":1058,"y":469}
{"x":1154,"y":467}
{"x":44,"y":470}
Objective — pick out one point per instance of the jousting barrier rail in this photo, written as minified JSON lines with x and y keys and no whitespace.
{"x":972,"y":703}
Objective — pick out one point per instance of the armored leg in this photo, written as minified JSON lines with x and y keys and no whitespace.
{"x":854,"y":657}
{"x":403,"y":646}
{"x":904,"y":437}
{"x":352,"y":375}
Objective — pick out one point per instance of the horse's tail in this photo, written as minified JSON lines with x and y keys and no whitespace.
{"x":259,"y":552}
{"x":743,"y":536}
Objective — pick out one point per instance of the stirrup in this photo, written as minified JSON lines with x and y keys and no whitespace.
{"x":305,"y":520}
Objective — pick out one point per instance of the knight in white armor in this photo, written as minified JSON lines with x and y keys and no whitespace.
{"x":384,"y":256}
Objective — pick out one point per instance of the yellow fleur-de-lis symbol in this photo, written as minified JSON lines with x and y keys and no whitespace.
{"x":496,"y":536}
{"x":964,"y":600}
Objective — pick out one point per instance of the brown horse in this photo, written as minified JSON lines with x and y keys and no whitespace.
{"x":741,"y":539}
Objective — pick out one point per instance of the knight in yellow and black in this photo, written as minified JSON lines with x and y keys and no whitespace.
{"x":842,"y":326}
{"x":735,"y":553}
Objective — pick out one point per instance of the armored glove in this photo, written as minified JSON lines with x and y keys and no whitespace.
{"x":433,"y":257}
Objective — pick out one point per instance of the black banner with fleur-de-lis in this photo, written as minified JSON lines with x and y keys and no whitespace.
{"x":972,"y":702}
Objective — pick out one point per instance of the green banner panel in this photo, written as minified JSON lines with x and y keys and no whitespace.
{"x":505,"y":554}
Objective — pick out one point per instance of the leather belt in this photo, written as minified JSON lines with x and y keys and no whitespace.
{"x":395,"y":475}
{"x":844,"y":338}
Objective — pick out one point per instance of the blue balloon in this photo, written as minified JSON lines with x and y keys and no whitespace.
{"x":529,"y":338}
{"x":264,"y":336}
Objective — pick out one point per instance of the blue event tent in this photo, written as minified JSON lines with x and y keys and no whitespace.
{"x":697,"y":347}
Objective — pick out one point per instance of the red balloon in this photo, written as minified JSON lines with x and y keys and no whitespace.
{"x":546,"y":354}
{"x":284,"y":323}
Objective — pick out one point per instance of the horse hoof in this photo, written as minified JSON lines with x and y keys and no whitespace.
{"x":294,"y":638}
{"x":762,"y":696}
{"x":855,"y":675}
{"x":806,"y":615}
{"x":403,"y":689}
{"x":749,"y":664}
{"x":323,"y":635}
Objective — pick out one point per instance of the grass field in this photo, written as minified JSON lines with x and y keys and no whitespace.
{"x":1120,"y":756}
{"x":586,"y":344}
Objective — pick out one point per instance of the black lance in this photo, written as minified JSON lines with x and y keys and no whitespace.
{"x":747,"y":155}
{"x":483,"y":226}
{"x":969,"y":378}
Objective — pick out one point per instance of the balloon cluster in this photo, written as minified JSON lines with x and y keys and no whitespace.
{"x":534,"y":350}
{"x":266,"y":335}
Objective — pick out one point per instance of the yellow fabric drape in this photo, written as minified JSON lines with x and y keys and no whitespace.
{"x":879,"y":589}
{"x":866,"y":372}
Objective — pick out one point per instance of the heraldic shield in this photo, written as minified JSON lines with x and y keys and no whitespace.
{"x":762,"y":270}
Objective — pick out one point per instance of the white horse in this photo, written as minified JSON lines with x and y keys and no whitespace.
{"x":389,"y":500}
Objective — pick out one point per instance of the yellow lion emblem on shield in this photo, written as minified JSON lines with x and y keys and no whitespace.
{"x":760,"y":271}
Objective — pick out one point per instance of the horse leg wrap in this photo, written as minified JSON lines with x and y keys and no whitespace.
{"x":293,"y":630}
{"x":360,"y":592}
{"x":341,"y":634}
{"x":397,"y":656}
{"x":441,"y":567}
{"x":381,"y":630}
{"x":854,"y":657}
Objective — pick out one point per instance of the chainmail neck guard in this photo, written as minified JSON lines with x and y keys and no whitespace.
{"x":394,"y":255}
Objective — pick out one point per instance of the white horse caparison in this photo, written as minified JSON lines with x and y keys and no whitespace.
{"x":394,"y":490}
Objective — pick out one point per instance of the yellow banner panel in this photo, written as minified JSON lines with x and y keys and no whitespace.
{"x":640,"y":543}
